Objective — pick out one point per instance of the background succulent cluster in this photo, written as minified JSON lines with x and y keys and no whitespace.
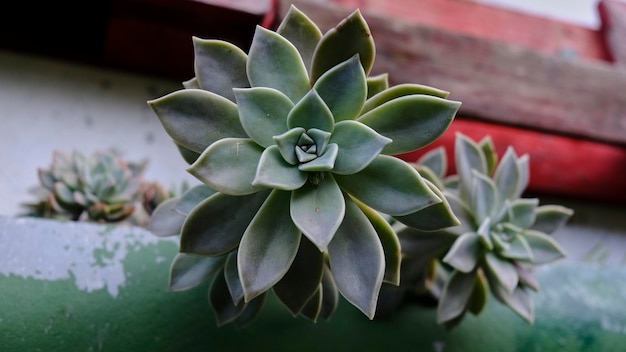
{"x":501,"y":238}
{"x":294,"y":143}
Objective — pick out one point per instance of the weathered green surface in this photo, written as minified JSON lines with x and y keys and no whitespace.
{"x":80,"y":287}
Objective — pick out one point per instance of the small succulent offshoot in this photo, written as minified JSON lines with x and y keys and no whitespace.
{"x":294,"y":143}
{"x":501,"y":239}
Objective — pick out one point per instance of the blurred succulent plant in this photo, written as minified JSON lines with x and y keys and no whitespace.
{"x":75,"y":187}
{"x":298,"y":142}
{"x":501,"y":239}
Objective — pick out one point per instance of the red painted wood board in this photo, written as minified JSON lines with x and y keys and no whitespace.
{"x":613,"y":28}
{"x":489,"y":22}
{"x":559,"y":165}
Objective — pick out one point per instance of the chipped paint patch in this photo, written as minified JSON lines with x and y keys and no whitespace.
{"x":54,"y":250}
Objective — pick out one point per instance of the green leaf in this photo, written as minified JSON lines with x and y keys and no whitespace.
{"x":461,"y":210}
{"x":330,"y":294}
{"x":522,"y":163}
{"x":424,"y":245}
{"x":196,"y":118}
{"x":251,"y":311}
{"x":357,"y":260}
{"x":229,"y":166}
{"x":412,"y":121}
{"x":273,"y":171}
{"x":303,"y":278}
{"x":192,"y":197}
{"x":268,"y":246}
{"x":188,"y":155}
{"x":434,"y":217}
{"x":313,"y":307}
{"x":400,"y":91}
{"x":483,"y":197}
{"x":488,"y":150}
{"x":390,"y":242}
{"x":549,"y":218}
{"x":165,"y":221}
{"x":222,"y":302}
{"x":274,"y":62}
{"x":502,"y":270}
{"x":468,"y":156}
{"x":523,"y":212}
{"x":358,"y":146}
{"x":217,"y":224}
{"x":287,"y":144}
{"x":263,"y":113}
{"x":188,"y":270}
{"x":436,"y":160}
{"x":351,"y":36}
{"x":377,"y":84}
{"x":390,"y":186}
{"x":219,"y":66}
{"x":484,"y":234}
{"x":324,"y":162}
{"x":507,"y":176}
{"x":231,"y":274}
{"x":518,"y":248}
{"x":311,"y":112}
{"x":544,"y":248}
{"x":344,"y":89}
{"x":519,"y":301}
{"x":456,"y":295}
{"x":318,"y":210}
{"x":465,"y":253}
{"x":301,"y":32}
{"x":480,"y":294}
{"x":191,"y":83}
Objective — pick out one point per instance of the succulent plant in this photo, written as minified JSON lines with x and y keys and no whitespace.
{"x":501,"y":239}
{"x":75,"y":187}
{"x":298,"y":143}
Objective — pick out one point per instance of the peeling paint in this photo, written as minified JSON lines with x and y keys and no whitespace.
{"x":54,"y":250}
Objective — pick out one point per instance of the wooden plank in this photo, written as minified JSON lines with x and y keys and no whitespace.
{"x":496,"y":82}
{"x":613,"y":27}
{"x":491,"y":22}
{"x":559,"y":166}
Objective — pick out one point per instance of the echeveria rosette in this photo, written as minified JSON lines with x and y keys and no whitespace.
{"x":501,"y":239}
{"x":299,"y":150}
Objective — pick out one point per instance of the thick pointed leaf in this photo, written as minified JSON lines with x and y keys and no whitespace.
{"x":222,"y":303}
{"x":273,"y":171}
{"x":217,"y":224}
{"x":524,"y":168}
{"x":231,"y":275}
{"x":196,"y":118}
{"x":311,"y":112}
{"x":351,"y":36}
{"x":544,"y":248}
{"x":412,"y":121}
{"x":484,"y":234}
{"x":268,"y":246}
{"x":483,"y":197}
{"x":400,"y":91}
{"x":518,"y":248}
{"x":324,"y":162}
{"x":468,"y":156}
{"x":191,"y":83}
{"x":263,"y":113}
{"x":502,"y":270}
{"x":526,"y":277}
{"x":274,"y":62}
{"x":313,"y":307}
{"x":318,"y":210}
{"x":303,"y":278}
{"x":434,"y":217}
{"x":165,"y":221}
{"x":523,"y":212}
{"x":377,"y":84}
{"x":192,"y":197}
{"x":507,"y":175}
{"x":251,"y":311}
{"x":229,"y":166}
{"x":456,"y":295}
{"x":301,"y":32}
{"x":519,"y":301}
{"x":480,"y":294}
{"x":189,"y":270}
{"x":357,"y":260}
{"x":390,"y":186}
{"x":465,"y":253}
{"x":188,"y":155}
{"x":330,"y":294}
{"x":462,"y":211}
{"x":488,"y":150}
{"x":390,"y":242}
{"x":344,"y":89}
{"x":219,"y":66}
{"x":549,"y":218}
{"x":436,"y":160}
{"x":358,"y":146}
